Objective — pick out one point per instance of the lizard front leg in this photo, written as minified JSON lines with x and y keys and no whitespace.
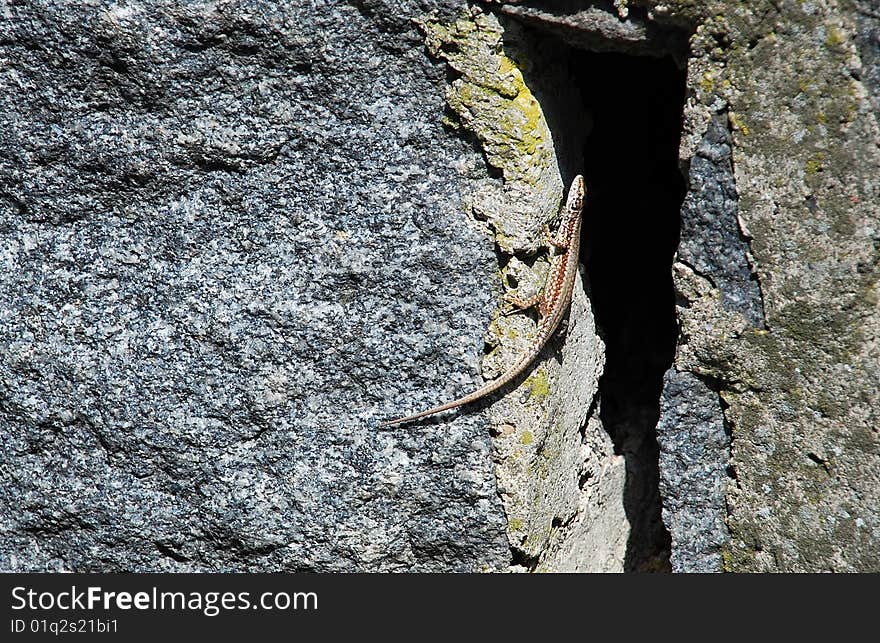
{"x":553,"y":242}
{"x":538,"y":302}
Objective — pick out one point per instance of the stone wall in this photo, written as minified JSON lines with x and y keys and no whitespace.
{"x":239,"y":235}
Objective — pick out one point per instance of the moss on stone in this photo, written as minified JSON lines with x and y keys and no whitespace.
{"x":707,"y":82}
{"x":490,"y":97}
{"x":726,"y":559}
{"x":738,"y":123}
{"x":834,"y":38}
{"x":539,"y":385}
{"x":814,"y":163}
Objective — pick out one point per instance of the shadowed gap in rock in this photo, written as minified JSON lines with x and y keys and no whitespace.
{"x":617,"y":117}
{"x":631,"y":228}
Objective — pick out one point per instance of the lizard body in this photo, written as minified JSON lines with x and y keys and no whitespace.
{"x":552,"y":303}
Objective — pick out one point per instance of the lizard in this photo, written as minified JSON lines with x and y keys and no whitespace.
{"x":552,"y":303}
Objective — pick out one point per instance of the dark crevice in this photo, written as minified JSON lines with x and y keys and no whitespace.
{"x":617,"y":118}
{"x":520,"y":559}
{"x":822,"y":462}
{"x":168,"y":552}
{"x":631,"y":230}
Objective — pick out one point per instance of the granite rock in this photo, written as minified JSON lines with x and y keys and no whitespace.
{"x":234,"y":241}
{"x":694,"y":452}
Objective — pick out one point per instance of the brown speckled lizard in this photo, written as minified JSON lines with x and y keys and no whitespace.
{"x":552,"y":303}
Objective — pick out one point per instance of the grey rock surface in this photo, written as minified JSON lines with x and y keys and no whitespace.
{"x":694,"y":448}
{"x":694,"y":452}
{"x":554,"y":463}
{"x":800,"y":394}
{"x":229,"y":229}
{"x":711,"y":242}
{"x":601,"y":26}
{"x":866,"y":14}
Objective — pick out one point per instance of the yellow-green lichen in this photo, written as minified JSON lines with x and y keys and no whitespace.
{"x":490,"y":97}
{"x":539,"y":385}
{"x":707,"y":82}
{"x":807,"y":85}
{"x":814,"y":163}
{"x":451,"y":122}
{"x":726,"y":560}
{"x":737,"y":123}
{"x":834,"y":37}
{"x":526,"y":438}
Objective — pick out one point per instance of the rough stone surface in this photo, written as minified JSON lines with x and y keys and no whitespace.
{"x":593,"y":538}
{"x":801,"y":394}
{"x":711,"y":242}
{"x":867,"y":20}
{"x":694,"y":452}
{"x":602,"y":27}
{"x":239,"y":235}
{"x":548,"y":467}
{"x":234,"y":239}
{"x":541,"y":448}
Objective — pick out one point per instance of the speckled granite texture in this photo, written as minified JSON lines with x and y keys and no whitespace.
{"x":228,"y":230}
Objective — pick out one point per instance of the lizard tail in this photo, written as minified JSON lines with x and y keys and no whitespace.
{"x":431,"y":411}
{"x":516,"y":370}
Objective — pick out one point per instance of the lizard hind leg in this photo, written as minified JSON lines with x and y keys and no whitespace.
{"x":518,"y":303}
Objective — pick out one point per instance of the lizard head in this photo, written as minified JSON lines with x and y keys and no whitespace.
{"x":576,"y":193}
